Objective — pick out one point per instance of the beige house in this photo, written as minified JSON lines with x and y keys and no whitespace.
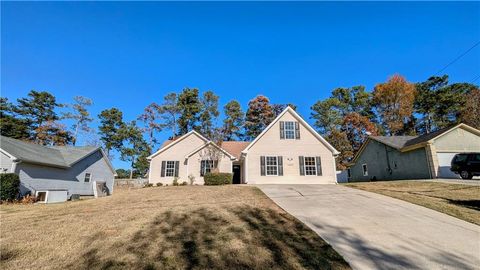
{"x":288,"y":151}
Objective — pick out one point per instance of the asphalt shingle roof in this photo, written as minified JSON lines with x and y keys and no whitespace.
{"x":396,"y":142}
{"x":235,"y":147}
{"x":57,"y":156}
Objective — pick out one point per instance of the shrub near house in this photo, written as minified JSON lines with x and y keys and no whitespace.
{"x":213,"y":179}
{"x":10,"y":186}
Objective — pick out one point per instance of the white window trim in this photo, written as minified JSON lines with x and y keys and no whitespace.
{"x":285,"y":130}
{"x":46,"y":195}
{"x":89,"y":178}
{"x":365,"y":172}
{"x":266,"y":166}
{"x":305,"y":166}
{"x":166,"y":168}
{"x":205,"y":167}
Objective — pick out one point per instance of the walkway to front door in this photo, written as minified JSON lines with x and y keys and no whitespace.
{"x":373,"y":231}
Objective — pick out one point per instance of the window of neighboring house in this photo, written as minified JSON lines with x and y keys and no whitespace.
{"x":365,"y":170}
{"x":87,"y":178}
{"x":289,"y":130}
{"x":170,"y":169}
{"x":271,"y":165}
{"x":310,"y":166}
{"x":206,"y":166}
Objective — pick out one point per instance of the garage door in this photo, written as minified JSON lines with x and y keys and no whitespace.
{"x":444,"y":161}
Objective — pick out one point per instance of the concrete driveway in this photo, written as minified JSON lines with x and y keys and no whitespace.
{"x":373,"y":231}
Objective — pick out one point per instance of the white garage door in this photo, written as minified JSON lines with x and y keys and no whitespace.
{"x":444,"y":161}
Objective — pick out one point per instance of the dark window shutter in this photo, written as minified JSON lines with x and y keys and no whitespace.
{"x":282,"y":130}
{"x":280,"y":165}
{"x":202,"y":167}
{"x":262,"y":166}
{"x":297,"y":131}
{"x":301,"y":164}
{"x":162,"y":174}
{"x":319,"y":166}
{"x":177,"y":165}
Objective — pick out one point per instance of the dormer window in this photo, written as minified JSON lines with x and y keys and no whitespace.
{"x":289,"y":130}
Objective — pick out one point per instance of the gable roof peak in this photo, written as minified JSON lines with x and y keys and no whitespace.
{"x":169,"y":143}
{"x":300,"y":119}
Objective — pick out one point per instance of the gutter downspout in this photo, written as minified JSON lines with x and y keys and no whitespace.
{"x":388,"y":161}
{"x":14,"y":165}
{"x":187,"y":167}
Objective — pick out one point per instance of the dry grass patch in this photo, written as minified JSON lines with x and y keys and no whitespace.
{"x":191,"y":227}
{"x":461,"y":201}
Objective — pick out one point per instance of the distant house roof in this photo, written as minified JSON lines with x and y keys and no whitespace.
{"x":427,"y":137}
{"x":55,"y":156}
{"x":396,"y":142}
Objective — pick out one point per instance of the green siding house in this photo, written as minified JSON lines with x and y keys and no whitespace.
{"x":413,"y":157}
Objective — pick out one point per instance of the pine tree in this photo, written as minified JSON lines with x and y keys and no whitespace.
{"x":233,"y":122}
{"x":11,"y":125}
{"x":36,"y":109}
{"x":111,"y":122}
{"x":209,"y":113}
{"x":80,"y":116}
{"x":189,"y":106}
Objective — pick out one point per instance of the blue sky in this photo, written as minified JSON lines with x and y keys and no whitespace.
{"x":127,"y":55}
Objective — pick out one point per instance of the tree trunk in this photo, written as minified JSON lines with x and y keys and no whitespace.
{"x":75,"y":134}
{"x":131,"y":169}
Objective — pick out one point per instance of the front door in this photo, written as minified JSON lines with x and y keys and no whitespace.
{"x":236,"y":174}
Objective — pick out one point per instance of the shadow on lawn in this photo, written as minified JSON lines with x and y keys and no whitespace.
{"x":472,"y":204}
{"x":243,"y":238}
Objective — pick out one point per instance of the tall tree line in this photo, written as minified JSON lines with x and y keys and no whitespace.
{"x":346,"y":118}
{"x":394,"y":107}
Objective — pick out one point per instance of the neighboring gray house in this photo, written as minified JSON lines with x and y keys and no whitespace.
{"x":57,"y":170}
{"x":413,"y":157}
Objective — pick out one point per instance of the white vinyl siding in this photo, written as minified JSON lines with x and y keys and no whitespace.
{"x":271,"y":166}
